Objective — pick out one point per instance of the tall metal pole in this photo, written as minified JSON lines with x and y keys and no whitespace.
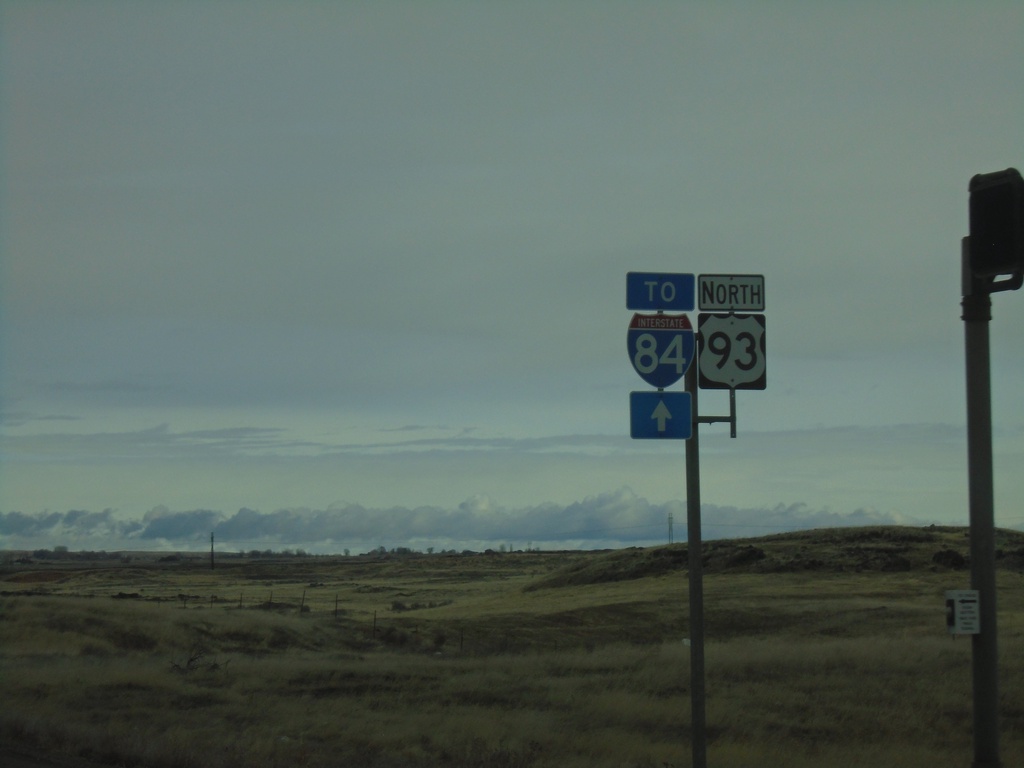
{"x":696,"y":567}
{"x":977,"y":312}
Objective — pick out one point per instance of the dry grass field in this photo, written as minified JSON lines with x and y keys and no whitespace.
{"x":824,"y":649}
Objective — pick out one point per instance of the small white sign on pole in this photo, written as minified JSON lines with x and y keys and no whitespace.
{"x":962,"y":612}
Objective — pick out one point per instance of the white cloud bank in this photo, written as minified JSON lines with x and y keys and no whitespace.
{"x":608,"y":520}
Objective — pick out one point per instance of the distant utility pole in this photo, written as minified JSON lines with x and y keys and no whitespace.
{"x":670,"y":539}
{"x":994,"y":249}
{"x":211,"y":550}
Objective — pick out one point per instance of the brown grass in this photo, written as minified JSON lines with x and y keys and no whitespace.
{"x":568,"y":659}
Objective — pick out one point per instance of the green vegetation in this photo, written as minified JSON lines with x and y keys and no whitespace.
{"x":824,"y":648}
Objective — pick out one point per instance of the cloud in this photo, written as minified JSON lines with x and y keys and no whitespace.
{"x":417,"y":478}
{"x":606,"y":520}
{"x":180,"y":526}
{"x":18,"y":524}
{"x":22,"y":418}
{"x":87,"y":530}
{"x":158,"y":442}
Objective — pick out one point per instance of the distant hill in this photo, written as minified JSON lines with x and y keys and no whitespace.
{"x":871,"y":549}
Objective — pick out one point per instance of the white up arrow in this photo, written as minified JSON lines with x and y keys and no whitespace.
{"x":662,"y":414}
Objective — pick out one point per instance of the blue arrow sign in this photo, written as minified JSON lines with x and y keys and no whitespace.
{"x":660,"y":416}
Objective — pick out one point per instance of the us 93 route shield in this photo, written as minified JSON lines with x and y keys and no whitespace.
{"x":661,"y":347}
{"x":732,"y":351}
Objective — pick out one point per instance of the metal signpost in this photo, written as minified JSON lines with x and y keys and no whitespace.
{"x":731,"y":352}
{"x":992,"y":260}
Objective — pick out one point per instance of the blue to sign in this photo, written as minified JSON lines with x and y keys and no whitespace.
{"x":661,"y":291}
{"x":661,"y":347}
{"x":660,"y":416}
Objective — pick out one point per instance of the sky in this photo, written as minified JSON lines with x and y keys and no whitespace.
{"x":353,"y":274}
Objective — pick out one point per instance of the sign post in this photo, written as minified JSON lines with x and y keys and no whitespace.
{"x":992,"y":261}
{"x":731,"y":356}
{"x":695,"y":564}
{"x":977,"y":307}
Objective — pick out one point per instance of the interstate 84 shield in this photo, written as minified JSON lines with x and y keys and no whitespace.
{"x":661,"y":347}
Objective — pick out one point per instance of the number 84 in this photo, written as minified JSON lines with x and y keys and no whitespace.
{"x":647,"y":359}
